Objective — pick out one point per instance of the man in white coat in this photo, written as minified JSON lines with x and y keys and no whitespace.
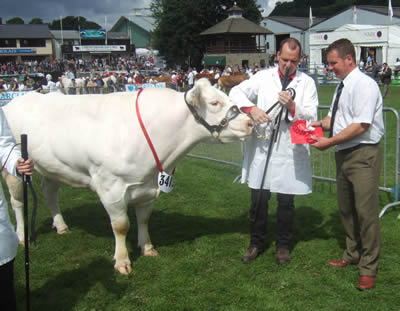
{"x":289,"y":169}
{"x":10,"y":159}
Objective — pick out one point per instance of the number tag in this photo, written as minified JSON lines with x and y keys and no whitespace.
{"x":165,"y":182}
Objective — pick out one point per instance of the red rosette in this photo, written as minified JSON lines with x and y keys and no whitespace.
{"x":300,"y":134}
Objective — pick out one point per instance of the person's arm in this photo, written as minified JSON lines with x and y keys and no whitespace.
{"x":7,"y":146}
{"x":325,"y":123}
{"x":243,"y":94}
{"x":363,"y":100}
{"x":352,"y":131}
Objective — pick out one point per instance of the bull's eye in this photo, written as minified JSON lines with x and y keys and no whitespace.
{"x":214,"y":104}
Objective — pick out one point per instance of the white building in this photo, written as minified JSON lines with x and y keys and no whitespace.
{"x":284,"y":27}
{"x":379,"y":43}
{"x":298,"y":27}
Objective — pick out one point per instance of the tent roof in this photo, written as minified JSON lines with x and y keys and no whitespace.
{"x":235,"y":25}
{"x":295,"y":21}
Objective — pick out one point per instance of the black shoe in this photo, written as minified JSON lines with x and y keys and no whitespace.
{"x":282,"y":256}
{"x":251,"y":254}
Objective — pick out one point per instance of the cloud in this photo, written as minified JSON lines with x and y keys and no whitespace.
{"x":49,"y":10}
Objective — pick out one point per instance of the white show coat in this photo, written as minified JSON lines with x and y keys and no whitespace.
{"x":289,"y":168}
{"x":8,"y":237}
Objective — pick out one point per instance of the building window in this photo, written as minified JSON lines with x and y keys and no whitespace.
{"x":33,"y":42}
{"x":8,"y":43}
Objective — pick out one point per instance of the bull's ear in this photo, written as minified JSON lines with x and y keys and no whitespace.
{"x":193,"y":96}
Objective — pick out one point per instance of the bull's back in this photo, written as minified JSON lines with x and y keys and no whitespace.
{"x":70,"y":135}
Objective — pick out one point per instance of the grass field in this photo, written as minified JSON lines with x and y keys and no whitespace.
{"x":201,"y":232}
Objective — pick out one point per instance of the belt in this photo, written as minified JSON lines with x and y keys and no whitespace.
{"x":356,"y":147}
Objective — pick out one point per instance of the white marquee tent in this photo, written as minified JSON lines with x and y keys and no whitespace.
{"x":383,"y":42}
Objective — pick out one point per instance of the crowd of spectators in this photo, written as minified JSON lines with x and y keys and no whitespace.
{"x":77,"y":65}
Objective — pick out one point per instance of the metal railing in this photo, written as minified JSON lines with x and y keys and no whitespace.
{"x":323,"y":164}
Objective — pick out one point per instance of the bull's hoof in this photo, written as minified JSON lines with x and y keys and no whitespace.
{"x":62,"y":230}
{"x":150,"y":253}
{"x":124,"y":269}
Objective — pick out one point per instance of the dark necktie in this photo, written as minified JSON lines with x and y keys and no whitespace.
{"x":335,"y":106}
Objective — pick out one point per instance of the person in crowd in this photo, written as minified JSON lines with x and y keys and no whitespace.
{"x":396,"y":67}
{"x":22,"y":86}
{"x":3,"y":86}
{"x":289,"y":167}
{"x":356,"y":127}
{"x":14,"y":85}
{"x":386,"y":78}
{"x":99,"y":81}
{"x":375,"y":70}
{"x":91,"y":86}
{"x":8,"y":238}
{"x":190,"y":78}
{"x":28,"y":83}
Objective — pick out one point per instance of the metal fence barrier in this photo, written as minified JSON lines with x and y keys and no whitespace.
{"x":323,"y":164}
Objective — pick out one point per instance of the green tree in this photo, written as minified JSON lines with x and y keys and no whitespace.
{"x":36,"y":21}
{"x":73,"y":23}
{"x":15,"y":20}
{"x":180,"y":22}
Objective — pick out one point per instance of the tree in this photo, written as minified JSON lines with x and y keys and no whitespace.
{"x":15,"y":20}
{"x":36,"y":21}
{"x":180,"y":22}
{"x":73,"y":23}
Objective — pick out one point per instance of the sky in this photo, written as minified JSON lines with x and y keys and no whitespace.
{"x":105,"y":12}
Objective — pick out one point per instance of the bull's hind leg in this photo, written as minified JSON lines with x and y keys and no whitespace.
{"x":143,"y":213}
{"x":50,"y":191}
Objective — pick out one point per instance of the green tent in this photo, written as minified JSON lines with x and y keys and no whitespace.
{"x":214,"y":61}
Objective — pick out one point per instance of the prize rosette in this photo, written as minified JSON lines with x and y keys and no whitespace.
{"x":301,"y":134}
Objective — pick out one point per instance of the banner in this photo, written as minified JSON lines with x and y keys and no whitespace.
{"x":93,"y":33}
{"x":99,"y":48}
{"x":136,"y":87}
{"x":6,"y":97}
{"x":17,"y":51}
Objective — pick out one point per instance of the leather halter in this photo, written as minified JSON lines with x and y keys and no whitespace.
{"x":215,"y":130}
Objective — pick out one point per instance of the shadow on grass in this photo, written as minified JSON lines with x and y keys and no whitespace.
{"x":172,"y":228}
{"x":67,"y":288}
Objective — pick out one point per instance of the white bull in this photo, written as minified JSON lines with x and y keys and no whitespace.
{"x":95,"y":141}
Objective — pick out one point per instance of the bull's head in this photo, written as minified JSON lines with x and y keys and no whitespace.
{"x":213,"y":109}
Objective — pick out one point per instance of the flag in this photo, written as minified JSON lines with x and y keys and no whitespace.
{"x":105,"y":26}
{"x":310,"y":22}
{"x":354,"y":15}
{"x":390,"y":10}
{"x":62,"y":38}
{"x":79,"y":30}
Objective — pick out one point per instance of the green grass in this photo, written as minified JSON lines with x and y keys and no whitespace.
{"x":201,"y":230}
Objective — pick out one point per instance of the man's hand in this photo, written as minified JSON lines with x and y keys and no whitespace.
{"x":286,"y":100}
{"x":316,"y":124}
{"x":259,"y":116}
{"x":25,"y":167}
{"x":321,"y":143}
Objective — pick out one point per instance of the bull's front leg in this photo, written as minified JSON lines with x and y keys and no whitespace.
{"x":143,"y":213}
{"x":50,"y":191}
{"x":120,"y":226}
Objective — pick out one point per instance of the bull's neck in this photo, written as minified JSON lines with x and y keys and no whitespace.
{"x":180,"y":135}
